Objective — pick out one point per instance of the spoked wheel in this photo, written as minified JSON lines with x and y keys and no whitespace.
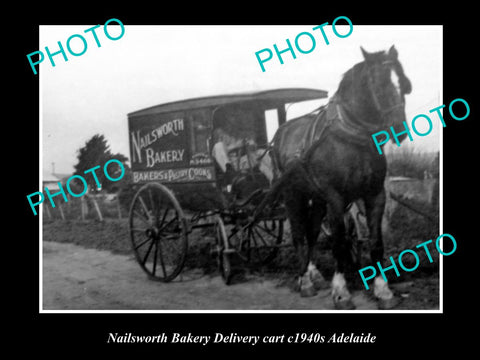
{"x":223,"y":251}
{"x":158,"y":232}
{"x":264,"y":236}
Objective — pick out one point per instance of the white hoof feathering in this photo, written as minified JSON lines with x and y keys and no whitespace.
{"x":306,"y":286}
{"x":381,"y":290}
{"x":313,"y":271}
{"x":339,"y":288}
{"x":305,"y":280}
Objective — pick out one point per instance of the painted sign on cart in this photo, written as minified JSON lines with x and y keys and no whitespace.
{"x":190,"y":174}
{"x":163,"y":148}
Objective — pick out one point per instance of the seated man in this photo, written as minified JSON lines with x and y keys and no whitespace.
{"x":222,"y":149}
{"x":239,"y":154}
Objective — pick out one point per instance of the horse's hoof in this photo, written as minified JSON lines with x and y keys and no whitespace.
{"x":307,"y":291}
{"x":319,"y":283}
{"x":344,"y":304}
{"x":387,"y":304}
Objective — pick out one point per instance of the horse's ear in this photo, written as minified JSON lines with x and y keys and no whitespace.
{"x":364,"y":53}
{"x":393,"y":53}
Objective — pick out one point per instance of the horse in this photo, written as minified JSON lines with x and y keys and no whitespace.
{"x":327,"y":160}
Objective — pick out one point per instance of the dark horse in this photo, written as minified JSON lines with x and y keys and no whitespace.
{"x":327,"y":160}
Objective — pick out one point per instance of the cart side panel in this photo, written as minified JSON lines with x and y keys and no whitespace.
{"x":174,"y":149}
{"x":171,"y":147}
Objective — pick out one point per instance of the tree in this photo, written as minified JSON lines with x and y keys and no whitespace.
{"x":96,"y":152}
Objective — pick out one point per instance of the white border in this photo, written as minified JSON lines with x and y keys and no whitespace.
{"x":40,"y":183}
{"x":440,"y":189}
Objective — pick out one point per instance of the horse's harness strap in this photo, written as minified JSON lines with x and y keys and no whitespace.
{"x":267,"y":150}
{"x":355,"y":130}
{"x":333,"y":113}
{"x":384,"y":112}
{"x":316,"y":139}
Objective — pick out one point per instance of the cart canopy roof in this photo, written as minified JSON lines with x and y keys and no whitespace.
{"x":267,"y":99}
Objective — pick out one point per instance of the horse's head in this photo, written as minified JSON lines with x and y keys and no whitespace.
{"x":386,"y":87}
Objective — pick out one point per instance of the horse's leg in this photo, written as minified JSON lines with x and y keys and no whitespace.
{"x":297,"y":209}
{"x":375,"y":206}
{"x":341,"y":251}
{"x":317,"y":213}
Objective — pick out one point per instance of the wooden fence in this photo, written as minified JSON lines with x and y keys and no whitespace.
{"x":86,"y":207}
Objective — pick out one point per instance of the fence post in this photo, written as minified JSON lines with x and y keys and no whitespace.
{"x":61,"y":211}
{"x":100,"y":217}
{"x":95,"y":204}
{"x":119,"y":208}
{"x":82,"y":207}
{"x":45,"y":207}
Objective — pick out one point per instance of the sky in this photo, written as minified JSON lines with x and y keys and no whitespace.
{"x":150,"y":65}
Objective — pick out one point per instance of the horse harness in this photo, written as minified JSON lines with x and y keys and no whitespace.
{"x":346,"y":126}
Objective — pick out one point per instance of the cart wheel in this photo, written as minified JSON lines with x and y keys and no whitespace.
{"x":223,"y":257}
{"x":225,"y":267}
{"x":264,"y":236}
{"x":158,"y":232}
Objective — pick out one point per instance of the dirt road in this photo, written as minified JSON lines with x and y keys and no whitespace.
{"x":88,"y":279}
{"x":76,"y":278}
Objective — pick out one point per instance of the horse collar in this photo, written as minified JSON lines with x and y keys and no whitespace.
{"x":347,"y":124}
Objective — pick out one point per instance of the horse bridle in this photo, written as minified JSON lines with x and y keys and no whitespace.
{"x":383,"y":112}
{"x":356,"y":125}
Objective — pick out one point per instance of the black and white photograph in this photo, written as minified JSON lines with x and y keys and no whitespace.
{"x":247,"y":184}
{"x":236,"y":186}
